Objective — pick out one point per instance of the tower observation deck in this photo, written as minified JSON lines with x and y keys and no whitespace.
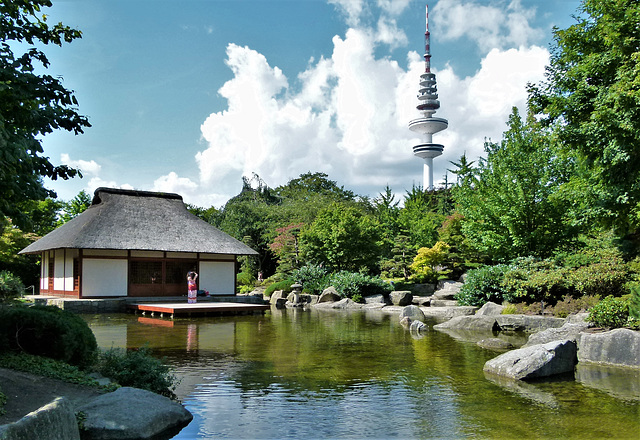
{"x":427,"y":125}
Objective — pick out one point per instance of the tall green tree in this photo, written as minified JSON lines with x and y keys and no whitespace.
{"x":591,"y":97}
{"x":75,"y":206}
{"x":342,"y":237}
{"x":31,"y":105}
{"x":512,"y":202}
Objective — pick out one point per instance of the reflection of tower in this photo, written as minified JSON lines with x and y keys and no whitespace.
{"x":427,"y":125}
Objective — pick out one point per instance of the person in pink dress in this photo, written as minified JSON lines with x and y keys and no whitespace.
{"x":192,"y":287}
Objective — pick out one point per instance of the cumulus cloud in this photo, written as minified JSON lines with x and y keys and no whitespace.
{"x":500,"y":24}
{"x":89,"y":167}
{"x":349,"y":112}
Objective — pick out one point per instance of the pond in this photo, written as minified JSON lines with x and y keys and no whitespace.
{"x":292,"y":374}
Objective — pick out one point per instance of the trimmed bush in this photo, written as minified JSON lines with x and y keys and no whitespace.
{"x":483,"y":285}
{"x":47,"y":331}
{"x":137,"y":368}
{"x":314,"y":278}
{"x":350,"y":284}
{"x":10,"y":286}
{"x":610,"y":313}
{"x":284,"y":285}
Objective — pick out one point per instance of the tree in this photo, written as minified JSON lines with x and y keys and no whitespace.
{"x":31,"y":105}
{"x":422,"y":215}
{"x":342,"y":237}
{"x":512,"y":203}
{"x":591,"y":97}
{"x":75,"y":206}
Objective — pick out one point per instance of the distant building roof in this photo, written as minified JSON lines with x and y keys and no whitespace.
{"x":139,"y":220}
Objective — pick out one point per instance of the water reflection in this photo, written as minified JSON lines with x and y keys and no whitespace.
{"x":328,"y":374}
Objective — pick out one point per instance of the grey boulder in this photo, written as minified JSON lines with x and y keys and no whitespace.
{"x":330,"y":294}
{"x":132,"y":413}
{"x":567,"y":331}
{"x":616,"y":347}
{"x":401,"y":297}
{"x":470,"y":322}
{"x":490,"y":309}
{"x":543,"y":360}
{"x":412,"y":312}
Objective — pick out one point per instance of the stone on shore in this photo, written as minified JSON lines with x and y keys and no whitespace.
{"x":418,"y":326}
{"x":277,"y":295}
{"x":616,"y":347}
{"x":470,"y":322}
{"x":412,"y":312}
{"x":132,"y":413}
{"x":330,"y":294}
{"x":527,"y":323}
{"x":543,"y":360}
{"x":375,"y":299}
{"x":490,"y":309}
{"x":54,"y":421}
{"x":401,"y":297}
{"x":567,"y":331}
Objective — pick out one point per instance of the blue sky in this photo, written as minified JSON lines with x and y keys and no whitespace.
{"x":188,"y":96}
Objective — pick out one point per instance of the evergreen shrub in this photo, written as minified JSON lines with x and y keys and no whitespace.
{"x":313,"y":277}
{"x":284,"y":285}
{"x":610,"y":312}
{"x":483,"y":285}
{"x":11,"y":286}
{"x":350,"y":284}
{"x":137,"y":368}
{"x":47,"y":331}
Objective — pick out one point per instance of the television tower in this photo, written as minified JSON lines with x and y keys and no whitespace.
{"x":427,"y":125}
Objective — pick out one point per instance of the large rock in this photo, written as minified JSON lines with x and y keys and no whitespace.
{"x":277,"y":295}
{"x":447,"y":290}
{"x":527,"y":323}
{"x":330,"y":294}
{"x":401,"y":297}
{"x":443,"y":303}
{"x":346,"y":303}
{"x":131,"y":413}
{"x":412,"y":312}
{"x":616,"y":347}
{"x":471,"y":322}
{"x":567,"y":331}
{"x":490,"y":309}
{"x":444,"y":313}
{"x":418,"y":326}
{"x":422,"y":301}
{"x":543,"y":360}
{"x":55,"y":421}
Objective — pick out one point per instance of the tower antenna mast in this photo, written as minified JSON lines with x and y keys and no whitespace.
{"x":428,"y":103}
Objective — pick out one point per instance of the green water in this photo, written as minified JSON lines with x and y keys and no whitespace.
{"x":324,"y":374}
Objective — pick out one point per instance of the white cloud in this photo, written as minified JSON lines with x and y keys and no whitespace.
{"x":350,"y":115}
{"x":500,"y":24}
{"x":351,"y":9}
{"x":90,"y":167}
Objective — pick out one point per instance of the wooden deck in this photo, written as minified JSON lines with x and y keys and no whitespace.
{"x":204,"y":308}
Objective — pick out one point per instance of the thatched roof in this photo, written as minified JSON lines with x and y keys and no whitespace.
{"x":139,"y":220}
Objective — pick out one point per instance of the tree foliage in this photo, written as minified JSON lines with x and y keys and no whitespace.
{"x":591,"y":97}
{"x":31,"y":105}
{"x":510,"y":201}
{"x":342,"y":238}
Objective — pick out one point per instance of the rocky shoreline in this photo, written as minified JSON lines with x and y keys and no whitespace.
{"x":531,"y":348}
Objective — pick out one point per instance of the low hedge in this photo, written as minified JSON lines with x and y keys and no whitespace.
{"x":47,"y":331}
